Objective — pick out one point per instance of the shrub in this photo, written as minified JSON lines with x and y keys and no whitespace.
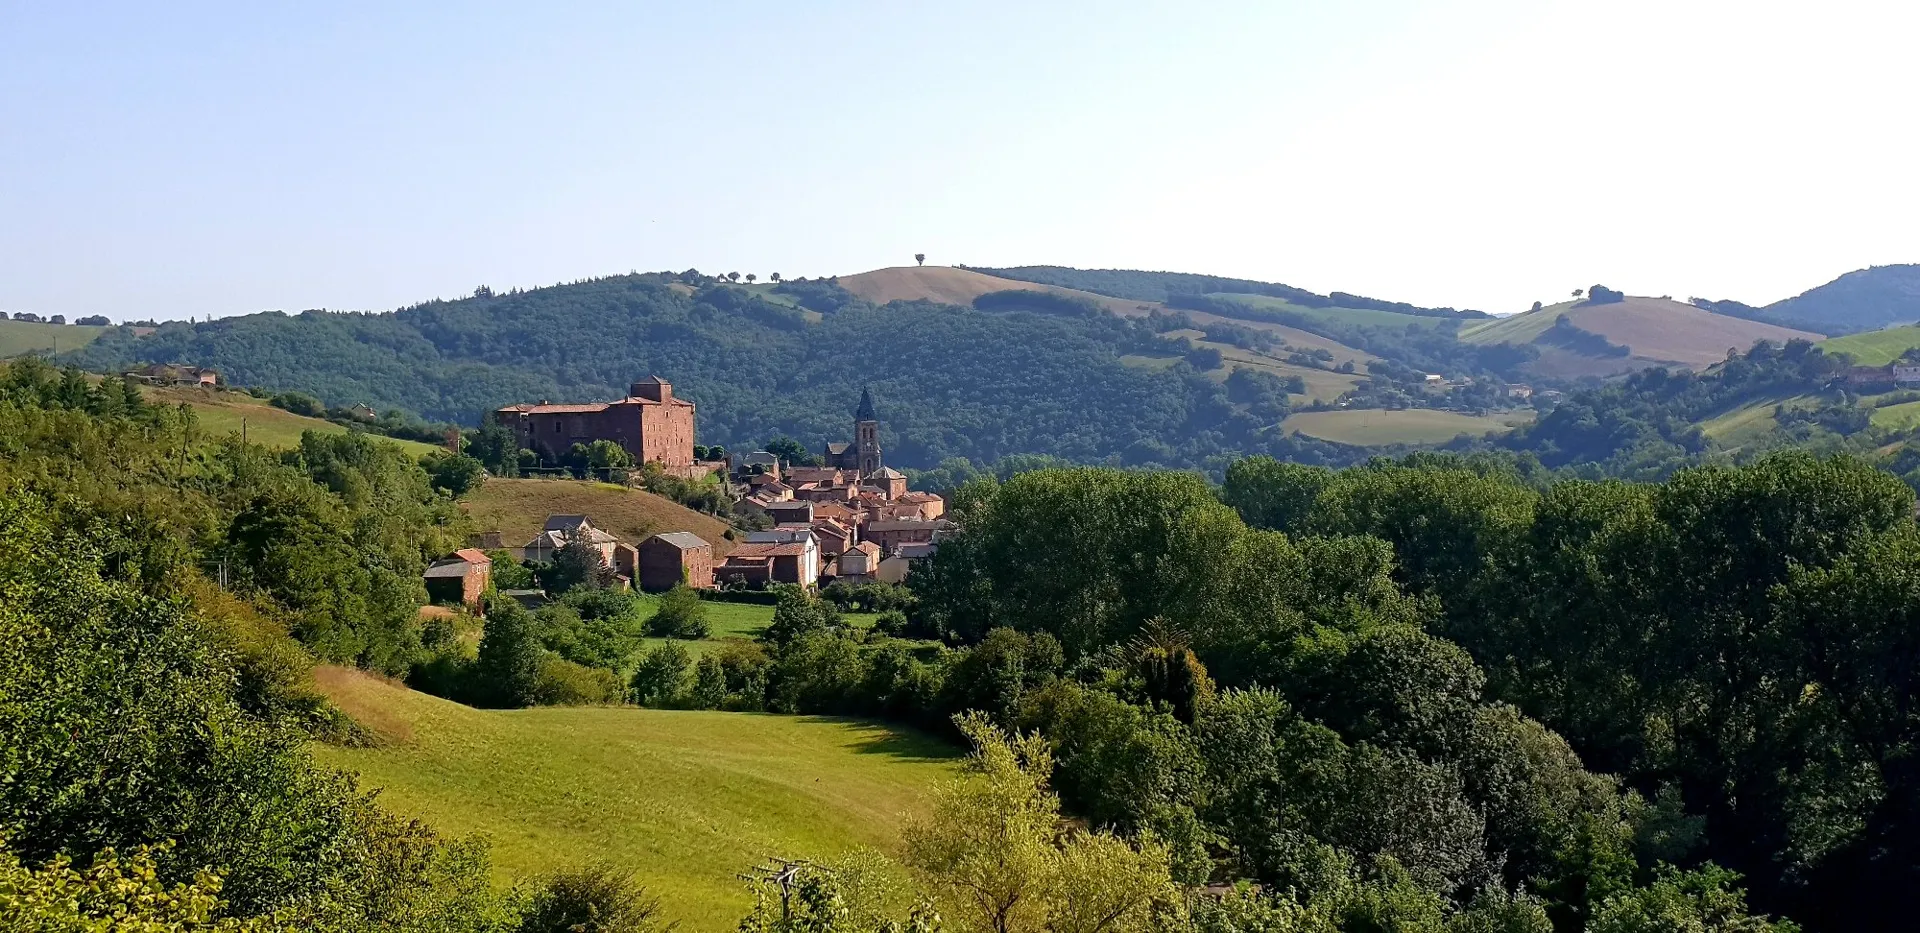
{"x":681,"y":615}
{"x":563,"y":683}
{"x":595,"y":899}
{"x":661,"y":676}
{"x":300,"y":403}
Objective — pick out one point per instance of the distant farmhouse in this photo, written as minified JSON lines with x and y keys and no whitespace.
{"x":649,"y":423}
{"x":166,"y":374}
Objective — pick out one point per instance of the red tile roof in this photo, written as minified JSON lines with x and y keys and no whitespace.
{"x":473,"y":555}
{"x":761,"y":549}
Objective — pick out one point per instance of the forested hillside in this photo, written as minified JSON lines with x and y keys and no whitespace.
{"x":950,"y":381}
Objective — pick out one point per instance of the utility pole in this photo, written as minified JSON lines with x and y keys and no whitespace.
{"x":783,"y":872}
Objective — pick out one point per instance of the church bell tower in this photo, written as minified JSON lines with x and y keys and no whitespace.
{"x":866,"y":435}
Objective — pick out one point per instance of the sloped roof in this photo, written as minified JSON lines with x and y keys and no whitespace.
{"x":473,"y":555}
{"x":889,"y":473}
{"x":564,"y":522}
{"x":762,"y":549}
{"x":684,"y":540}
{"x":448,"y":569}
{"x":865,"y":411}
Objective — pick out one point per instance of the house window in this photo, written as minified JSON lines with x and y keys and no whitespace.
{"x":556,"y":427}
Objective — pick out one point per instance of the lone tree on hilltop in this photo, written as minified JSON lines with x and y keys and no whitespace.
{"x":774,"y":277}
{"x":920,"y":258}
{"x":750,"y":278}
{"x":1578,"y":292}
{"x":733,"y":276}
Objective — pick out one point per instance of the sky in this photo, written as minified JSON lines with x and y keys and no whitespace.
{"x":195,"y":159}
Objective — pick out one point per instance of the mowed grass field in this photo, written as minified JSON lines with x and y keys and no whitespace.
{"x":1372,"y":427}
{"x":518,"y":509}
{"x":1875,"y":348}
{"x":727,"y":621}
{"x":222,"y":412}
{"x":684,"y":798}
{"x":18,"y":337}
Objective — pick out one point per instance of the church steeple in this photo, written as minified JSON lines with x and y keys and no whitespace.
{"x":866,"y":435}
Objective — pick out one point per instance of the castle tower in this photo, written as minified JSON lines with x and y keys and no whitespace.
{"x":866,"y":435}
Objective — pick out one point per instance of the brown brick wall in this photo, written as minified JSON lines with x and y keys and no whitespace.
{"x":661,"y":565}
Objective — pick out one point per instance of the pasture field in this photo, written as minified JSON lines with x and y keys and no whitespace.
{"x":18,"y":337}
{"x":1876,"y":347}
{"x":684,"y":798}
{"x":518,"y":509}
{"x":221,"y":412}
{"x":1372,"y":427}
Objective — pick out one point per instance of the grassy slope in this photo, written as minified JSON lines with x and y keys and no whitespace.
{"x":223,"y":412}
{"x":1369,"y":317}
{"x":961,"y":286}
{"x":685,"y":798}
{"x":1658,"y":330}
{"x":17,"y":337}
{"x":1875,"y":348}
{"x":1374,"y":426}
{"x":518,"y":509}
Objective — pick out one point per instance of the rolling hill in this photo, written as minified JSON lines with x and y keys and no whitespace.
{"x":1875,"y":347}
{"x":223,"y":412}
{"x":518,"y":509}
{"x":1655,"y":331}
{"x":1373,"y":427}
{"x":685,"y":798}
{"x":17,"y":337}
{"x":1861,"y":300}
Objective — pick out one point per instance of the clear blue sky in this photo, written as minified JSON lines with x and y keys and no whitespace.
{"x":195,"y":158}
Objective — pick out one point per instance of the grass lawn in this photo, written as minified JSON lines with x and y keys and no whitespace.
{"x":741,"y":620}
{"x":518,"y":509}
{"x":1367,"y":427}
{"x":1515,"y":328}
{"x":1902,"y":417}
{"x":684,"y":798}
{"x":17,"y":337}
{"x":222,"y":412}
{"x":1877,"y":347}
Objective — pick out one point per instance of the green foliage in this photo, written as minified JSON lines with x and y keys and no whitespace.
{"x":660,"y":679}
{"x":112,"y":896}
{"x":455,"y":474}
{"x":680,"y":614}
{"x":578,"y":564}
{"x":1705,"y":900}
{"x":510,"y":656}
{"x":597,"y":898}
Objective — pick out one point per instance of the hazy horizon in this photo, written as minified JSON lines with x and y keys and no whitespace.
{"x":224,"y":159}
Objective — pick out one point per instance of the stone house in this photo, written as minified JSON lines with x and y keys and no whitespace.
{"x":672,"y":558}
{"x":554,"y":537}
{"x":169,"y":374}
{"x":897,"y":565}
{"x":859,"y":564}
{"x":759,"y":563}
{"x":649,"y":423}
{"x":892,"y":535}
{"x":790,"y":512}
{"x":463,"y":578}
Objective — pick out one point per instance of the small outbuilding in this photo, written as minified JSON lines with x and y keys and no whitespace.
{"x":675,"y":557}
{"x":463,"y":578}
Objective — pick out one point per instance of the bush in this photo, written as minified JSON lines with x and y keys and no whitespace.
{"x":661,"y":676}
{"x":594,"y":899}
{"x":563,"y":683}
{"x":300,"y":403}
{"x":681,"y":615}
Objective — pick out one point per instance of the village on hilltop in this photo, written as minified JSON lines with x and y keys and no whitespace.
{"x":849,"y":518}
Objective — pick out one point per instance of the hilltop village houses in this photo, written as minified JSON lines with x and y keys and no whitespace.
{"x":850,"y":517}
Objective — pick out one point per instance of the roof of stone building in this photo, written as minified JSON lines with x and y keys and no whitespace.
{"x":760,"y":549}
{"x":889,"y":473}
{"x":684,"y":540}
{"x":447,"y":569}
{"x":473,"y":555}
{"x":564,"y":522}
{"x":835,"y":449}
